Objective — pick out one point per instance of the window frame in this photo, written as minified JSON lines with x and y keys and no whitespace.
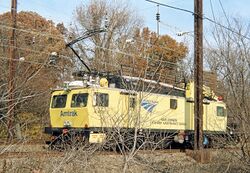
{"x":53,"y":105}
{"x":99,"y":102}
{"x":219,"y":114}
{"x":175,"y":102}
{"x":75,"y":95}
{"x":132,"y":102}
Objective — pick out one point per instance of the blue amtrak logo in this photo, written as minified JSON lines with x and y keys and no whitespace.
{"x":148,"y":106}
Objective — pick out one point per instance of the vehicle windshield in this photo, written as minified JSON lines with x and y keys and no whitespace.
{"x":59,"y":101}
{"x":79,"y":100}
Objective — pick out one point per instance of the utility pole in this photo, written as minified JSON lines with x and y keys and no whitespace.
{"x":198,"y":74}
{"x":158,"y":20}
{"x":12,"y":69}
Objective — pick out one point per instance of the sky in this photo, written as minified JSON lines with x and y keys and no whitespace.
{"x":172,"y":21}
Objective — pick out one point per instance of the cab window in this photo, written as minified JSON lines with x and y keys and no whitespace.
{"x":132,"y":102}
{"x":79,"y":100}
{"x":101,"y":99}
{"x":59,"y":101}
{"x":173,"y":104}
{"x":220,"y":111}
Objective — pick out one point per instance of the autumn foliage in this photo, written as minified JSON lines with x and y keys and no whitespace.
{"x":36,"y":39}
{"x":154,"y":57}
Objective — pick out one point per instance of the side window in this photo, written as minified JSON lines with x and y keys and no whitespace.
{"x":220,"y":111}
{"x":101,"y":99}
{"x":132,"y":102}
{"x":79,"y":100}
{"x":173,"y":104}
{"x":59,"y":101}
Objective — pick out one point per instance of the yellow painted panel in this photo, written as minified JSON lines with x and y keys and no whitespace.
{"x":97,"y":137}
{"x":152,"y":111}
{"x":214,"y":122}
{"x":115,"y":115}
{"x":76,"y":117}
{"x":156,"y":113}
{"x":189,"y":116}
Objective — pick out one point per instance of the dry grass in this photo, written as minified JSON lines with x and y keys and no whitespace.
{"x":90,"y":160}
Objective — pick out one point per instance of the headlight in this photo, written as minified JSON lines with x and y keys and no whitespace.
{"x":67,"y":123}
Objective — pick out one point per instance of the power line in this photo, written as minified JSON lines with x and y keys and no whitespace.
{"x":49,"y":35}
{"x":44,"y":64}
{"x":173,"y":28}
{"x":100,"y":47}
{"x":224,"y":12}
{"x":34,"y":32}
{"x":198,"y":70}
{"x":169,"y":49}
{"x":37,"y":52}
{"x":33,"y":44}
{"x":227,"y":28}
{"x":203,"y":17}
{"x":29,"y":31}
{"x":89,"y":48}
{"x":113,"y":65}
{"x":172,"y":7}
{"x":112,"y":50}
{"x":133,"y":55}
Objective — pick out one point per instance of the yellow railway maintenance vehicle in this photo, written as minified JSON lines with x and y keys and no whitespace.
{"x":93,"y":109}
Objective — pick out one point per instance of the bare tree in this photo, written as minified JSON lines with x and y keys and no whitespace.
{"x":39,"y":64}
{"x":119,"y":19}
{"x":229,"y":56}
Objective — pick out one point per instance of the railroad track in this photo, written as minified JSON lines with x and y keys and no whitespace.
{"x":39,"y":154}
{"x":17,"y":142}
{"x":45,"y":152}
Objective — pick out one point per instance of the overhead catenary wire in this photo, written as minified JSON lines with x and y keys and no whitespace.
{"x":49,"y":35}
{"x":64,"y":56}
{"x":173,"y":28}
{"x":45,"y":65}
{"x":38,"y":52}
{"x":61,"y":38}
{"x":54,"y":36}
{"x":43,"y":34}
{"x":36,"y":45}
{"x":109,"y":64}
{"x":162,"y":4}
{"x":22,"y":27}
{"x":224,"y":12}
{"x":100,"y":47}
{"x":170,"y":6}
{"x":36,"y":63}
{"x":113,"y":50}
{"x":35,"y":32}
{"x":203,"y":17}
{"x":166,"y":75}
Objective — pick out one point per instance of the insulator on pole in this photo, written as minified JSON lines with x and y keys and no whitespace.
{"x":158,"y":20}
{"x":158,"y":16}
